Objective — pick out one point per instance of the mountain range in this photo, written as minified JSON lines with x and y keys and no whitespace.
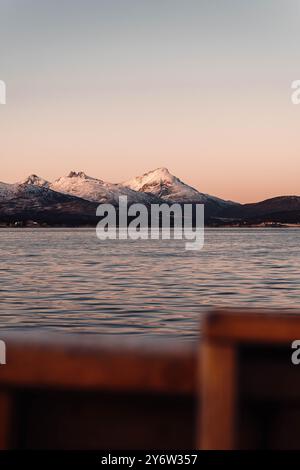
{"x":73,"y":199}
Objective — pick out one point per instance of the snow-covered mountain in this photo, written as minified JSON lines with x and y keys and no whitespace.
{"x":30,"y":186}
{"x":36,"y":181}
{"x":164,"y":185}
{"x":32,"y":200}
{"x":153,"y":187}
{"x":73,"y":200}
{"x":92,"y":189}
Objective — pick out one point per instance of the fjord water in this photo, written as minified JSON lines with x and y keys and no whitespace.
{"x":67,"y":280}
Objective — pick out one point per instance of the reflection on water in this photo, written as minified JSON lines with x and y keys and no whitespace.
{"x":66,"y":279}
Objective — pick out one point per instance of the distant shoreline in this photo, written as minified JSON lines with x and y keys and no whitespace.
{"x":235,"y":226}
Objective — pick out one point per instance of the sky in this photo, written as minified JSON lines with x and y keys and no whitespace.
{"x":119,"y":87}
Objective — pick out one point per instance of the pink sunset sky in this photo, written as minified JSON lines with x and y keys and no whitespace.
{"x":117,"y":88}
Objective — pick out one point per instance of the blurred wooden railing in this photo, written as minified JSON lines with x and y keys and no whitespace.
{"x":76,"y":392}
{"x":236,"y":389}
{"x":250,"y":389}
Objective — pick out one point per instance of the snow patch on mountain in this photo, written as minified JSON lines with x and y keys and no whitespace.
{"x":163,"y":184}
{"x":35,"y":181}
{"x":92,"y":189}
{"x":32,"y":185}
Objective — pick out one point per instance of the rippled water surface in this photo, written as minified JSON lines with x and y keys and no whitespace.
{"x":66,"y":279}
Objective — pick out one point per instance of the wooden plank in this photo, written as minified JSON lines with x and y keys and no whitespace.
{"x":252,"y":326}
{"x":76,"y":363}
{"x":217,"y":393}
{"x":245,"y":408}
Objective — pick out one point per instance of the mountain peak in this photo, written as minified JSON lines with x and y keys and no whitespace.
{"x":162,"y":184}
{"x":154,"y":181}
{"x":35,"y":181}
{"x":77,"y":174}
{"x":161,"y":174}
{"x":162,"y":170}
